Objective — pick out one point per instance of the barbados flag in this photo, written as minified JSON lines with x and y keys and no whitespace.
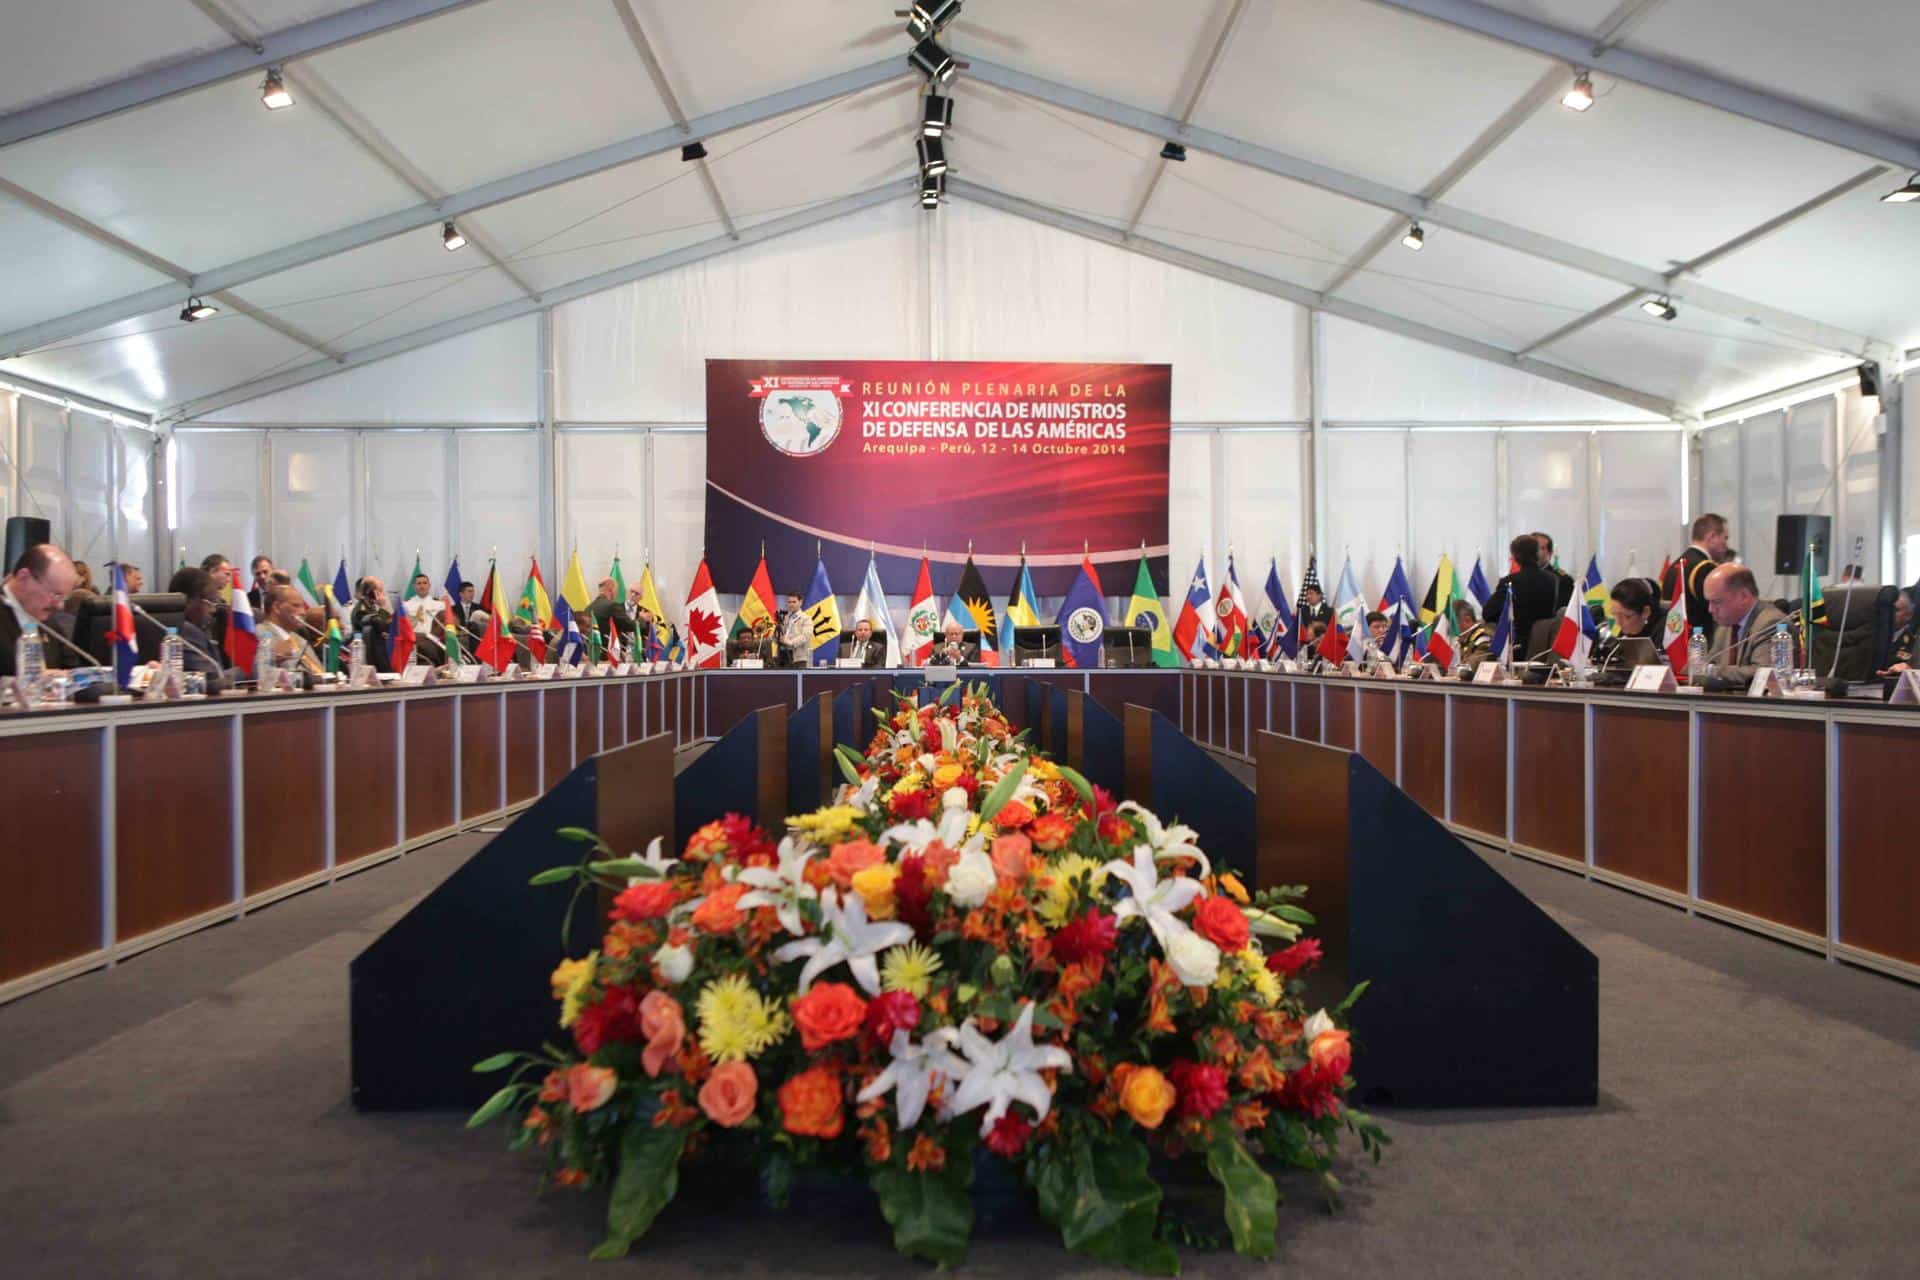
{"x":824,"y":613}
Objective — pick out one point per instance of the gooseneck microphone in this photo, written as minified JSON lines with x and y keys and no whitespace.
{"x":69,"y":645}
{"x":217,"y":663}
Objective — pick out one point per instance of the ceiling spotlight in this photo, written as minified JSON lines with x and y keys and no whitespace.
{"x":936,"y":115}
{"x":273,"y":91}
{"x":1869,"y":380}
{"x":450,"y":236}
{"x":933,"y":156}
{"x":1173,"y":151}
{"x":1415,"y":239}
{"x":693,"y":151}
{"x":1905,"y":195}
{"x":933,"y":188}
{"x":1660,"y":308}
{"x":197,"y":310}
{"x":932,"y":61}
{"x":1580,"y":96}
{"x":927,"y":17}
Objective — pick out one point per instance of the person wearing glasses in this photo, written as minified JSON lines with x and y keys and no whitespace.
{"x":34,"y":591}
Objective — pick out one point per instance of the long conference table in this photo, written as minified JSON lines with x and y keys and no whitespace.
{"x":130,"y":826}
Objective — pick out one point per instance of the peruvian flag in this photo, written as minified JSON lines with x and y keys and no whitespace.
{"x":242,"y":641}
{"x":125,"y":654}
{"x":1676,"y":625}
{"x":705,"y":644}
{"x":923,"y":617}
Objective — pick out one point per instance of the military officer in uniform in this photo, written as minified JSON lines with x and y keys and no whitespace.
{"x":1708,"y":548}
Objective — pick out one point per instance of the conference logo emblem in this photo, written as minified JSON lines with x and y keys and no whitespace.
{"x":1084,"y":625}
{"x":800,"y":413}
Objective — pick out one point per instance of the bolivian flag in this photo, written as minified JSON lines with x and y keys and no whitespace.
{"x":758,"y":602}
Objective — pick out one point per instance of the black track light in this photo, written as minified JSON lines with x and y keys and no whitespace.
{"x":450,"y":237}
{"x":1580,"y":96}
{"x":1905,"y":195}
{"x":930,"y":17}
{"x":693,"y":151}
{"x":197,"y":310}
{"x":1415,"y":239}
{"x":932,"y":61}
{"x":1660,"y":308}
{"x":1869,"y":380}
{"x":933,"y":156}
{"x":936,"y":115}
{"x":933,"y":189}
{"x":1173,"y":151}
{"x":273,"y":91}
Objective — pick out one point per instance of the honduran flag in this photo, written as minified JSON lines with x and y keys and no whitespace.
{"x":126,"y":654}
{"x":242,"y":641}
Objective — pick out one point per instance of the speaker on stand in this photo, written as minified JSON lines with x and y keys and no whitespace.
{"x":24,"y":532}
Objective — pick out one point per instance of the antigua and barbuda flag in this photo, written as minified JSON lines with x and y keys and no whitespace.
{"x":972,"y":608}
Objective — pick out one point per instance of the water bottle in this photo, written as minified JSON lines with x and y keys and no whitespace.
{"x":1697,"y":656}
{"x":171,"y":663}
{"x":1782,"y":658}
{"x":30,"y":665}
{"x":264,"y":672}
{"x":356,"y":658}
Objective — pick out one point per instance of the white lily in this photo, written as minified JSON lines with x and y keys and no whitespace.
{"x":783,"y":886}
{"x":846,"y":937}
{"x":860,"y":798}
{"x":1320,"y":1023}
{"x":911,"y":1076}
{"x":1168,"y":842}
{"x":655,"y":860}
{"x":997,"y":1073}
{"x":1154,"y":900}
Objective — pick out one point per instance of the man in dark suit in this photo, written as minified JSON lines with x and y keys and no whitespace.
{"x":33,"y":593}
{"x":1708,"y":548}
{"x":610,"y":618}
{"x":862,"y":647}
{"x":1530,"y":592}
{"x":261,"y":568}
{"x":953,"y":649}
{"x":198,"y":652}
{"x":1901,"y":652}
{"x":1561,"y":576}
{"x":1313,"y":608}
{"x":1745,"y":624}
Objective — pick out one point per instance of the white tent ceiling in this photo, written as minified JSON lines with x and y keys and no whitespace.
{"x":137,"y":165}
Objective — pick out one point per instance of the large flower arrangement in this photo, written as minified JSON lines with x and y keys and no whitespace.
{"x":971,"y":955}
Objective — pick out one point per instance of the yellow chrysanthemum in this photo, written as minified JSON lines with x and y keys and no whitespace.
{"x":1067,"y":878}
{"x":911,"y":783}
{"x":909,"y":969}
{"x":571,"y":980}
{"x":828,"y":825}
{"x":736,"y":1022}
{"x":1265,"y":983}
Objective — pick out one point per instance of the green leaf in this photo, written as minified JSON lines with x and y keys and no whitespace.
{"x":579,"y":835}
{"x":493,"y":1106}
{"x":624,"y":868}
{"x":844,"y":756}
{"x":1096,"y":1191}
{"x":554,"y":875}
{"x":649,"y":1175}
{"x":931,"y":1213}
{"x":1252,"y":1198}
{"x":498,"y":1062}
{"x":947,"y":697}
{"x":1287,"y":911}
{"x":776,"y":1178}
{"x":1360,"y":989}
{"x":1002,"y":792}
{"x":1080,"y":784}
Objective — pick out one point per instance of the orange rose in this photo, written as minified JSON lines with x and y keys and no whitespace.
{"x":588,"y":1088}
{"x":1050,"y":831}
{"x":830,"y":1012}
{"x":938,"y":860}
{"x":719,"y":911}
{"x":852,"y":857}
{"x":1012,"y":816}
{"x":1012,"y":857}
{"x":947,"y":775}
{"x":810,"y":1104}
{"x":874,"y":884}
{"x":729,"y":1093}
{"x":1145,"y":1094}
{"x":664,"y":1027}
{"x":1331,"y":1052}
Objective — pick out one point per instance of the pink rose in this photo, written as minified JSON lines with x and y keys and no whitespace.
{"x":729,"y":1093}
{"x":589,"y":1087}
{"x":663,"y":1027}
{"x":1012,"y":857}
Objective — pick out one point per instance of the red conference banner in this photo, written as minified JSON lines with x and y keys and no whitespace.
{"x":898,"y":455}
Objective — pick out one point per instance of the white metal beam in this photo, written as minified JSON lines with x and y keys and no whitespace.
{"x":1413,"y":207}
{"x":483,"y":196}
{"x":1305,"y":297}
{"x":1200,"y":86}
{"x":580,"y":288}
{"x":637,"y":35}
{"x":222,"y":64}
{"x":1698,"y":86}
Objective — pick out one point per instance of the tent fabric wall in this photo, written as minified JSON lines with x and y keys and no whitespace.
{"x":89,"y":477}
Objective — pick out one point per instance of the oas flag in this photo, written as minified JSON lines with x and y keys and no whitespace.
{"x":1083,"y":620}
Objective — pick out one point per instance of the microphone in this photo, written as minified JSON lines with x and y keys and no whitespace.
{"x":70,"y":646}
{"x":1859,"y":549}
{"x":217,"y":663}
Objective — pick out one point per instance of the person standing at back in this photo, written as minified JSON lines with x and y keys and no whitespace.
{"x":1708,"y":548}
{"x":1531,"y":593}
{"x":1552,"y":566}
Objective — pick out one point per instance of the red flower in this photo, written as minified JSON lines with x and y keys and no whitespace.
{"x":1221,"y":923}
{"x":1296,"y":959}
{"x":614,"y":1017}
{"x":1202,"y":1087}
{"x":1115,"y":829}
{"x":912,"y":893}
{"x":1104,"y":801}
{"x":1009,"y":1135}
{"x":1013,"y":815}
{"x":890,"y":1012}
{"x":830,"y":1012}
{"x":1050,"y":830}
{"x":648,"y":900}
{"x":1093,"y":934}
{"x":1312,"y":1090}
{"x":912,"y":805}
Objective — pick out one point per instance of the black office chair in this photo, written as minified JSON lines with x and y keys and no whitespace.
{"x":1540,"y":637}
{"x":1128,"y":647}
{"x":1036,"y":642}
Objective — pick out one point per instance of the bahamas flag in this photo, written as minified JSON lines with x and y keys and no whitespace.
{"x":972,"y":608}
{"x":824,"y":610}
{"x":1083,"y":619}
{"x":1145,"y":610}
{"x":1021,"y":609}
{"x":676,"y":647}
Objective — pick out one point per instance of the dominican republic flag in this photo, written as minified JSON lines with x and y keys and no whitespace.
{"x":1574,"y":640}
{"x":1195,"y":628}
{"x":242,"y":642}
{"x":1279,"y":621}
{"x":342,"y":595}
{"x":872,"y":605}
{"x":1083,"y":619}
{"x":1477,"y":585}
{"x":126,"y":653}
{"x":573,"y":645}
{"x":923,"y":617}
{"x":1676,"y":625}
{"x":705,"y":636}
{"x":1401,"y":610}
{"x":400,"y":640}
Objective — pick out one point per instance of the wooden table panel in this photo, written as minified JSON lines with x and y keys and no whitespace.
{"x":366,"y":783}
{"x":1763,"y":818}
{"x":1280,"y":695}
{"x":557,"y":718}
{"x":284,"y":815}
{"x":656,"y":692}
{"x":1338,"y":714}
{"x":1423,"y":756}
{"x":1480,"y":764}
{"x":173,"y":820}
{"x":523,"y":746}
{"x":1189,"y":704}
{"x":736,"y":694}
{"x":696,"y":718}
{"x":586,"y":721}
{"x":1215,"y":723}
{"x":479,"y":753}
{"x":1640,"y":794}
{"x":1306,"y":710}
{"x":1113,"y":690}
{"x":1379,"y":734}
{"x":50,"y":859}
{"x":1235,"y":694}
{"x":1879,"y":867}
{"x":1549,"y":782}
{"x":429,"y":768}
{"x":634,"y":696}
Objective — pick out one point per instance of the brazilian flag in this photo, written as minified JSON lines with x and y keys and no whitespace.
{"x":1146,"y":610}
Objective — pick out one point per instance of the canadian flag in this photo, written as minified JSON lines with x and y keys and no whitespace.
{"x":706,"y":645}
{"x":923,"y":618}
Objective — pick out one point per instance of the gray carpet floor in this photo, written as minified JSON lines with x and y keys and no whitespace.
{"x":185,"y":1114}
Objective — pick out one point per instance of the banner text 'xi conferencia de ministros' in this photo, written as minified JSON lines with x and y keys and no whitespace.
{"x":899,"y":455}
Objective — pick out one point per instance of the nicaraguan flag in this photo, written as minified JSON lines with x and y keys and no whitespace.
{"x":1280,"y":619}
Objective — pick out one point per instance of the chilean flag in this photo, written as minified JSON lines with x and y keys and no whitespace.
{"x":1194,"y":630}
{"x":242,"y":641}
{"x":125,"y":653}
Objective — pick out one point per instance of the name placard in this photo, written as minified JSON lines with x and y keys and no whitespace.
{"x":546,"y":670}
{"x":1042,"y":663}
{"x":468,"y":673}
{"x":1488,"y":672}
{"x":1655,"y":677}
{"x":1906,"y":690}
{"x":749,"y":664}
{"x":1762,"y":683}
{"x":416,"y":675}
{"x":848,"y":664}
{"x":602,"y":669}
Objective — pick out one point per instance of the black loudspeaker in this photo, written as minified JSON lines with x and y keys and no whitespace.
{"x":24,"y":532}
{"x":1792,"y":535}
